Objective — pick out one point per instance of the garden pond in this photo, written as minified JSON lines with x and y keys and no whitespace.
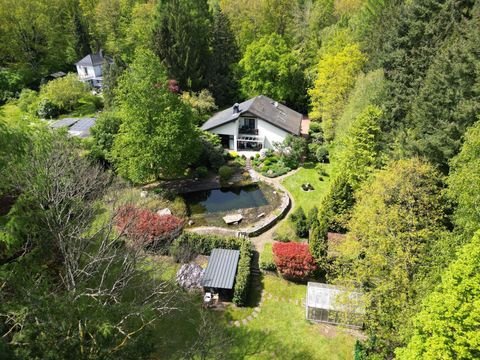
{"x":207,"y":208}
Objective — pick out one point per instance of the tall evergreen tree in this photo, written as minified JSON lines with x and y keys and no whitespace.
{"x":225,"y":54}
{"x":449,"y":100}
{"x":181,"y":40}
{"x":419,"y":30}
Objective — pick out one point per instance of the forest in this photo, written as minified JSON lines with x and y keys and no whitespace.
{"x":392,"y":89}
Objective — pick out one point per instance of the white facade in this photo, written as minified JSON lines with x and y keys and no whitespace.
{"x":90,"y":74}
{"x":249,"y":133}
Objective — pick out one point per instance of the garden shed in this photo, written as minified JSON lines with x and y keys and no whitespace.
{"x":219,"y":277}
{"x":334,"y":305}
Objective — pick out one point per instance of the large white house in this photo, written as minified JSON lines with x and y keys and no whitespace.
{"x":89,"y":69}
{"x":254,"y":124}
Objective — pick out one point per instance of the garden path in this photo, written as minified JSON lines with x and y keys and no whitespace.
{"x":267,"y":237}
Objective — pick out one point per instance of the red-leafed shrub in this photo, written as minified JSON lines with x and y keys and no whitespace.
{"x":293,"y":260}
{"x":146,"y":228}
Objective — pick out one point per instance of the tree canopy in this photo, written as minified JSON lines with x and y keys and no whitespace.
{"x":154,"y":118}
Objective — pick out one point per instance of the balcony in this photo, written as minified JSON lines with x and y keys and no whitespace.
{"x":243,"y":130}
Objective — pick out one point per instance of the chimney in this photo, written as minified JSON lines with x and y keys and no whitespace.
{"x":236,"y":108}
{"x":275,"y":104}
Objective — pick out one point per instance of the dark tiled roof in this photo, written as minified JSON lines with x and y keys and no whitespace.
{"x":76,"y":126}
{"x":221,"y":269}
{"x":92,"y":60}
{"x":263,"y":107}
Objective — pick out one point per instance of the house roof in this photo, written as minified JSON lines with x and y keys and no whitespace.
{"x":76,"y":126}
{"x":329,"y":297}
{"x":262,"y":107}
{"x":221,"y":269}
{"x":93,"y":59}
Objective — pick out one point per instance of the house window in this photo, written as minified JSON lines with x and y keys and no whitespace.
{"x":249,"y":123}
{"x":85,"y":70}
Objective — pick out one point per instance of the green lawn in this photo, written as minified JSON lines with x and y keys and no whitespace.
{"x":307,"y":200}
{"x":279,"y":332}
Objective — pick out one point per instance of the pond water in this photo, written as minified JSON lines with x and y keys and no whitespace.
{"x":220,"y":200}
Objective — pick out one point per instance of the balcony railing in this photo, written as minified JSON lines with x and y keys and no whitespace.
{"x":247,"y":131}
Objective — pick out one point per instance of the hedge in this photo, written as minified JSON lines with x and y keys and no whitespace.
{"x":267,"y":262}
{"x":188,"y":245}
{"x":242,"y":281}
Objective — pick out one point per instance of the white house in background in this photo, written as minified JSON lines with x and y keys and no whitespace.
{"x":89,"y":69}
{"x":254,"y":124}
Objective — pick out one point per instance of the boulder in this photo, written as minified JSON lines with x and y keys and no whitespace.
{"x":165,"y":211}
{"x":232,"y":219}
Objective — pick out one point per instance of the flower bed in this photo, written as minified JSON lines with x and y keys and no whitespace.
{"x":147,"y":229}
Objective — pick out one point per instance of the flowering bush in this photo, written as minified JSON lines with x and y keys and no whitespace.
{"x":146,"y":228}
{"x":293,"y":260}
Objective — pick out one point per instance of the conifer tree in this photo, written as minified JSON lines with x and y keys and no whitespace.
{"x":181,"y":40}
{"x":225,"y":54}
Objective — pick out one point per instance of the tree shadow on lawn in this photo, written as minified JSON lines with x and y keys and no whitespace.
{"x":251,"y":342}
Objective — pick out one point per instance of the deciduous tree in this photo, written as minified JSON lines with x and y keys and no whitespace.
{"x":336,"y":74}
{"x":396,"y":223}
{"x":447,"y":325}
{"x":271,"y":68}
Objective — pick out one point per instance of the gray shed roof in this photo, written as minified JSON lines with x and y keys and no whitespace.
{"x":263,"y":107}
{"x":330,"y":297}
{"x":93,"y":60}
{"x":76,"y":126}
{"x":221,"y":269}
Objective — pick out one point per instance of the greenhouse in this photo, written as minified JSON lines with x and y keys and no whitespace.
{"x":334,"y":305}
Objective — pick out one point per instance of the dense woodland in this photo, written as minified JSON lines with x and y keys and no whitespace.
{"x":393,"y":91}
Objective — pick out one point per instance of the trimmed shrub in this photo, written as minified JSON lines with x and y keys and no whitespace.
{"x":225,"y":172}
{"x":242,"y":280}
{"x":293,"y":260}
{"x":188,"y":245}
{"x":147,"y":229}
{"x":299,"y":220}
{"x":267,"y":262}
{"x":322,"y":154}
{"x":201,"y":171}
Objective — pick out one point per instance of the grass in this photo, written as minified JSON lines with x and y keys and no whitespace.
{"x":280,"y":330}
{"x":306,"y":199}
